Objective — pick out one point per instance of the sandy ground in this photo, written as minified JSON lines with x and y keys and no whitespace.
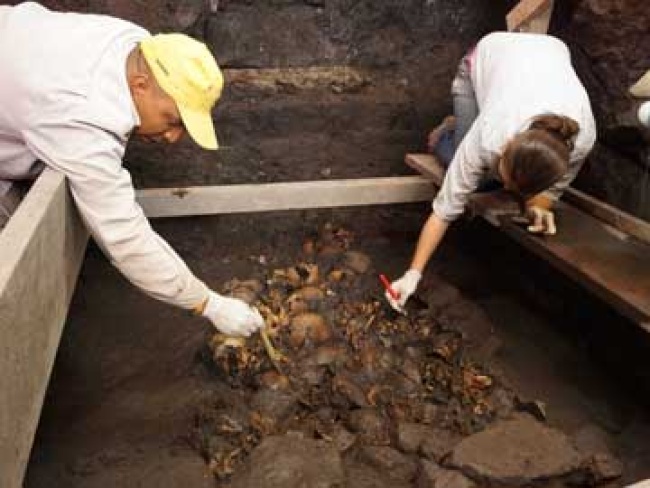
{"x":128,"y":378}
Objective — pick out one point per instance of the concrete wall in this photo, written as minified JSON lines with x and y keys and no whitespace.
{"x":41,"y":248}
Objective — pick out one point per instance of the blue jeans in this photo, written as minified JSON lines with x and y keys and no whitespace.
{"x":466,"y":112}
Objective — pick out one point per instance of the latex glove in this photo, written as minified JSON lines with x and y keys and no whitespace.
{"x":232,"y":316}
{"x":541,"y":220}
{"x":404,"y":287}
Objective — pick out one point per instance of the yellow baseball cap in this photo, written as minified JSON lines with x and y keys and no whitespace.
{"x":186,"y":70}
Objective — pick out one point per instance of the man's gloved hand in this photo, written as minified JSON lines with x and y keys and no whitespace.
{"x":404,"y":287}
{"x":232,"y":316}
{"x":541,"y":220}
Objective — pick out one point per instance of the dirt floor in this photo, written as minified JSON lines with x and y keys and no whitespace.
{"x":132,"y":383}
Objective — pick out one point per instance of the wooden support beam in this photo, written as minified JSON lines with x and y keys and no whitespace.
{"x":208,"y":200}
{"x":613,"y":268}
{"x":491,"y":205}
{"x":530,"y":16}
{"x":42,"y":248}
{"x":620,"y":220}
{"x":494,"y":204}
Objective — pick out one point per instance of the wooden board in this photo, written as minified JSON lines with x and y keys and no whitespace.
{"x":209,"y":200}
{"x":614,"y":268}
{"x":530,"y":16}
{"x":490,"y":205}
{"x":42,"y":248}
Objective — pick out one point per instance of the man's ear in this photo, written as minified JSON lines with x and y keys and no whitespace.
{"x":139,"y":83}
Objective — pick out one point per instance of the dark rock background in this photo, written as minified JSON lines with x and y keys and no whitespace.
{"x":402,"y":54}
{"x":610,"y":44}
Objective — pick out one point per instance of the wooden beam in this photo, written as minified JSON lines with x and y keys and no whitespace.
{"x":615,"y":269}
{"x":42,"y":248}
{"x":490,"y":205}
{"x":208,"y":200}
{"x":617,"y":218}
{"x":530,"y":16}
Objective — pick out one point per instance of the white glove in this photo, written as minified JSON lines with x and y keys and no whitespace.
{"x":232,"y":316}
{"x":540,"y":220}
{"x":404,"y":288}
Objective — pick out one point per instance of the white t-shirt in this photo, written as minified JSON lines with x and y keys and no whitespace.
{"x":66,"y":102}
{"x":516,"y":77}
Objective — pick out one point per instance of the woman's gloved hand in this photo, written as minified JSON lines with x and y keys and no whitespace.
{"x":404,"y":288}
{"x":232,"y":316}
{"x":541,"y":220}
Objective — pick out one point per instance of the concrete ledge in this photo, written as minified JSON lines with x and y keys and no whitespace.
{"x":41,"y":251}
{"x":296,"y":195}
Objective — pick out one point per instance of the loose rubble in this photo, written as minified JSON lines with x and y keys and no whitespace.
{"x":340,"y":388}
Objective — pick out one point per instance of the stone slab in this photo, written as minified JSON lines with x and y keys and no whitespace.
{"x":41,"y":251}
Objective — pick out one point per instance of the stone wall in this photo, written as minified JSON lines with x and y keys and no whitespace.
{"x":341,"y":89}
{"x":609,"y":40}
{"x":384,"y":69}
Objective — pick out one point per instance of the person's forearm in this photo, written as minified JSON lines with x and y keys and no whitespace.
{"x":432,"y":233}
{"x":540,"y":200}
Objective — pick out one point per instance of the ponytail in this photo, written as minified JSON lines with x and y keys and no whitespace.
{"x":563,"y":128}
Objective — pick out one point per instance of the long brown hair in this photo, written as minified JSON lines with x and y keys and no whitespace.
{"x":538,"y":157}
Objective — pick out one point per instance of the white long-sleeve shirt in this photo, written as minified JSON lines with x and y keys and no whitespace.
{"x":66,"y":103}
{"x":516,"y":77}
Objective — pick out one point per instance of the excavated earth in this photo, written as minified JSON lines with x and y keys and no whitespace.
{"x":490,"y":386}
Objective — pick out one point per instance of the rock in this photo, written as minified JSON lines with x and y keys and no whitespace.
{"x":599,"y":463}
{"x":433,"y":476}
{"x":591,"y":439}
{"x":312,"y":375}
{"x":274,"y":380}
{"x":428,"y":473}
{"x":440,"y":295}
{"x":344,"y":385}
{"x":502,"y":402}
{"x":360,"y":475}
{"x":370,"y":425}
{"x":342,"y":438}
{"x":410,"y":436}
{"x":357,"y":261}
{"x":437,"y":443}
{"x":387,"y":459}
{"x":305,"y":299}
{"x":517,"y":451}
{"x":330,"y":355}
{"x":275,"y":405}
{"x":426,"y":413}
{"x":602,"y":467}
{"x":291,"y":461}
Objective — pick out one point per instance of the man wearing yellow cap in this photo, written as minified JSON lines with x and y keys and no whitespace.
{"x":73,"y":89}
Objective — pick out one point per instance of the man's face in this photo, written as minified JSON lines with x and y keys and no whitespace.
{"x":160,"y":120}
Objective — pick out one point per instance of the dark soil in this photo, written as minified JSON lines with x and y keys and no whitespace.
{"x":131,"y":381}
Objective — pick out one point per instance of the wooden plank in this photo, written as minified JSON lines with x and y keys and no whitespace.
{"x":496,"y":204}
{"x":208,"y":200}
{"x":42,"y":248}
{"x":490,"y":205}
{"x":530,"y":16}
{"x":620,"y":220}
{"x":615,"y":269}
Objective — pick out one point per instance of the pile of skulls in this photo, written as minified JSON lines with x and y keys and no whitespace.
{"x":336,"y":363}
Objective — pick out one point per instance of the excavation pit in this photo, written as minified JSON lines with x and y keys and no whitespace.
{"x":143,"y":394}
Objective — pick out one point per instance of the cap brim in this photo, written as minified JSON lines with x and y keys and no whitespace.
{"x":199,"y":126}
{"x":641,"y":89}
